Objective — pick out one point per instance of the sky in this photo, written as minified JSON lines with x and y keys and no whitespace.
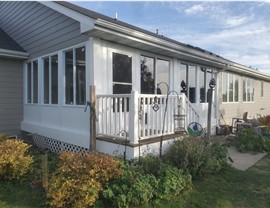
{"x":236,"y":30}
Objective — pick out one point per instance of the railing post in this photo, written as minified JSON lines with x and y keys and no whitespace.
{"x":184,"y":106}
{"x":133,"y":117}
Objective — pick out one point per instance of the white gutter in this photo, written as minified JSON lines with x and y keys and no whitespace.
{"x":105,"y":26}
{"x":13,"y":54}
{"x":101,"y":24}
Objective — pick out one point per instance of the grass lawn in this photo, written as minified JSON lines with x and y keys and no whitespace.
{"x":231,"y":188}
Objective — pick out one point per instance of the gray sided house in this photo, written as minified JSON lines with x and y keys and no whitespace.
{"x":12,"y":56}
{"x":55,"y":58}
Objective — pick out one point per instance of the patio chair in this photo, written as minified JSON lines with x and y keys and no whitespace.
{"x":241,"y":123}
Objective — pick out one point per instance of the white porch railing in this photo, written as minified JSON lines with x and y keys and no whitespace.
{"x":140,"y":115}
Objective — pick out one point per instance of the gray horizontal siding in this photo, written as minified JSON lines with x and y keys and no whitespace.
{"x":39,"y":29}
{"x":11,"y":96}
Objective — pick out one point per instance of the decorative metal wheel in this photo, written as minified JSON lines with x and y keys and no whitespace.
{"x":195,"y":129}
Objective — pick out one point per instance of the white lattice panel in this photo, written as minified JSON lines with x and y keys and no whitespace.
{"x":54,"y":145}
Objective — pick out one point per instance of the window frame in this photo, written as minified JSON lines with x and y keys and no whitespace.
{"x":74,"y":73}
{"x":112,"y":71}
{"x":234,"y":78}
{"x":246,"y":82}
{"x":34,"y":93}
{"x":50,"y":76}
{"x":157,"y":58}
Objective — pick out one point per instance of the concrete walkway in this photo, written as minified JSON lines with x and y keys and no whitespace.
{"x":243,"y":161}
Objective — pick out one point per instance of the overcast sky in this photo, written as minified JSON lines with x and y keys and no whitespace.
{"x":239,"y":31}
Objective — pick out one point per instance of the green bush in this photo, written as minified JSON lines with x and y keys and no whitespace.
{"x":14,"y":163}
{"x":138,"y":184}
{"x":248,"y":140}
{"x":151,"y":164}
{"x":131,"y":187}
{"x":173,"y":183}
{"x":199,"y":158}
{"x":81,"y":178}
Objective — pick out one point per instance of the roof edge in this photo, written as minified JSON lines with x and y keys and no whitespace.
{"x":13,"y":54}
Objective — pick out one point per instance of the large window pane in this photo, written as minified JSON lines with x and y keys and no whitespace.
{"x":35,"y":82}
{"x":147,"y":75}
{"x":230,"y":88}
{"x":224,"y":87}
{"x":162,"y":74}
{"x":192,"y":84}
{"x":80,"y":76}
{"x":121,"y":68}
{"x":54,"y":79}
{"x":69,"y":76}
{"x":29,"y":83}
{"x":236,"y":89}
{"x":122,"y":76}
{"x":183,"y":75}
{"x":202,"y":84}
{"x":46,"y":80}
{"x":244,"y":90}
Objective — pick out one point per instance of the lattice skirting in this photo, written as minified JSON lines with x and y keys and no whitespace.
{"x":57,"y":146}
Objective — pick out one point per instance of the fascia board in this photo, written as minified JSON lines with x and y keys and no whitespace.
{"x":181,"y":50}
{"x":86,"y":23}
{"x":13,"y":54}
{"x":247,"y":71}
{"x":156,"y":42}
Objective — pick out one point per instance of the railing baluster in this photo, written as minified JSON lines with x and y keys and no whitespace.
{"x":114,"y":113}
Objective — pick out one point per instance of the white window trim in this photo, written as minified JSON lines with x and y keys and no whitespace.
{"x":252,"y":81}
{"x":50,"y":80}
{"x":234,"y":76}
{"x":32,"y":82}
{"x":73,"y":48}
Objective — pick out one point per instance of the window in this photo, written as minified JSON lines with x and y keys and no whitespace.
{"x":248,"y":90}
{"x":205,"y":76}
{"x":162,"y":74}
{"x":192,"y":84}
{"x":154,"y":71}
{"x":188,"y":74}
{"x":262,"y":93}
{"x":32,"y":82}
{"x":122,"y":74}
{"x":50,"y":80}
{"x":230,"y":87}
{"x":147,"y":75}
{"x":75,"y":87}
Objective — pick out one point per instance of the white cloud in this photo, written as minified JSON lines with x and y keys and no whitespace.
{"x":237,"y":20}
{"x":194,"y":9}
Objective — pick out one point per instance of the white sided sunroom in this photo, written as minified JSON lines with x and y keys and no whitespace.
{"x":131,"y":87}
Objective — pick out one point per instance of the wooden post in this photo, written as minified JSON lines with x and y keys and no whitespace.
{"x":93,"y":133}
{"x":210,"y":98}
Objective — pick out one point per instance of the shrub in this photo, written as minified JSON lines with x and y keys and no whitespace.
{"x":199,"y":158}
{"x":248,"y":140}
{"x":151,"y":164}
{"x":138,"y":184}
{"x":14,"y":163}
{"x":80,"y":178}
{"x":131,"y":187}
{"x":173,"y":183}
